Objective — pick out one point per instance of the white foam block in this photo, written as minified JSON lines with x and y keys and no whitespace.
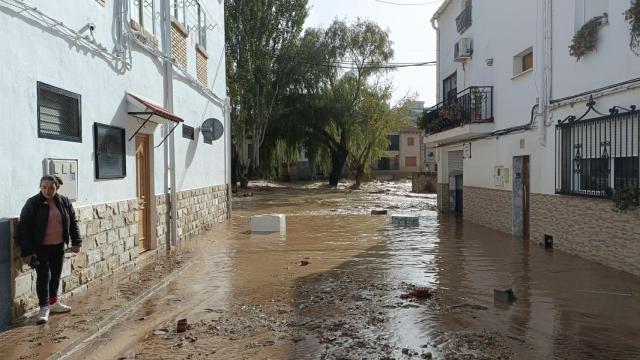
{"x":269,"y":223}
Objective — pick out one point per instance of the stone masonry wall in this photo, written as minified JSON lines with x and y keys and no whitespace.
{"x":488,"y":207}
{"x":589,"y":228}
{"x":109,"y":241}
{"x":424,"y":182}
{"x":443,"y":197}
{"x":198,"y":209}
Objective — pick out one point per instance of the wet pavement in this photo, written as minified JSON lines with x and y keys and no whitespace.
{"x":343,"y":284}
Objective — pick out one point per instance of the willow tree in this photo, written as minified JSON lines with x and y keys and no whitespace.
{"x":257,"y":32}
{"x":374,"y":120}
{"x":334,"y":66}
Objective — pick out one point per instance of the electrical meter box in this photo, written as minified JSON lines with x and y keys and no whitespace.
{"x":67,"y":170}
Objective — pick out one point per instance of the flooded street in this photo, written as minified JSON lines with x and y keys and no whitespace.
{"x":344,"y":284}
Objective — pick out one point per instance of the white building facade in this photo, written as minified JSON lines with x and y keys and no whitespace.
{"x":124,"y":100}
{"x":515,"y":149}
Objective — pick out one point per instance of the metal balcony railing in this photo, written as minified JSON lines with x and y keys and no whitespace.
{"x":463,"y":21}
{"x":470,"y":106}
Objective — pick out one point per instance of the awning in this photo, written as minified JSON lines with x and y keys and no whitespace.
{"x":148,"y":111}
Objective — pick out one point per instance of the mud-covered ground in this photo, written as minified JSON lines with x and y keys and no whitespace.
{"x":344,"y":284}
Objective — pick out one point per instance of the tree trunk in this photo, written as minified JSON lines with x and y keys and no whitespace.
{"x":358,"y":177}
{"x":338,"y":159}
{"x":234,"y":170}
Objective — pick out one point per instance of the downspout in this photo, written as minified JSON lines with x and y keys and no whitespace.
{"x":547,"y":47}
{"x":227,"y":152}
{"x":438,"y":151}
{"x":435,"y":27}
{"x":170,"y":161}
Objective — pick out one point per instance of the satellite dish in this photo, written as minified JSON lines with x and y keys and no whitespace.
{"x":212,"y":129}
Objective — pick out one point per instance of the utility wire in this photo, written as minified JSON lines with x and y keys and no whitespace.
{"x":408,"y":4}
{"x":339,"y":64}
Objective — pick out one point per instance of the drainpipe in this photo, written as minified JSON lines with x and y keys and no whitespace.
{"x":439,"y":154}
{"x":227,"y":152}
{"x":435,"y":27}
{"x":170,"y":163}
{"x":547,"y":47}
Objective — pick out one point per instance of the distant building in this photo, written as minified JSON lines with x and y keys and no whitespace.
{"x":407,"y":152}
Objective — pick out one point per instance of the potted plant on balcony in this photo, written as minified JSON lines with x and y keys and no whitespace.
{"x":632,"y":16}
{"x":477,"y":102}
{"x":450,"y":111}
{"x":430,"y":121}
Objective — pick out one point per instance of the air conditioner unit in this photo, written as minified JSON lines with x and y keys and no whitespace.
{"x":462,"y":50}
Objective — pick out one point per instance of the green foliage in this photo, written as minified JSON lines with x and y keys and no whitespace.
{"x":585,"y":40}
{"x":625,"y":199}
{"x":430,"y":121}
{"x":258,"y":35}
{"x":632,"y":16}
{"x":322,"y":101}
{"x":374,"y":120}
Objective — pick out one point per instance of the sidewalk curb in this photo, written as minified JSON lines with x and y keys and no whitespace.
{"x":118,"y":316}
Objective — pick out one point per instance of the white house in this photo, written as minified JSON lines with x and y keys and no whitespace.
{"x":515,"y":149}
{"x":125,"y":100}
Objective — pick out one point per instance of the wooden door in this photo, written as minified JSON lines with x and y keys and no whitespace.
{"x":142,"y":190}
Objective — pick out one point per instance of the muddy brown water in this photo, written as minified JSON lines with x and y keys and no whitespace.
{"x":331,"y":289}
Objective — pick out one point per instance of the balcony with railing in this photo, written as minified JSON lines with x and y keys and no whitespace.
{"x":463,"y":21}
{"x":468,"y":113}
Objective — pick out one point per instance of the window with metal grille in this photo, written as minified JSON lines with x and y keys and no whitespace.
{"x":187,"y":132}
{"x":597,"y":157}
{"x":59,"y":115}
{"x":109,"y":148}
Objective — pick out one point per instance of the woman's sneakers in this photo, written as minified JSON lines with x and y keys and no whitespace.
{"x":56,"y":308}
{"x":59,"y":307}
{"x":43,"y":315}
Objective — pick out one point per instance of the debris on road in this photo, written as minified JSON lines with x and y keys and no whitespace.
{"x":504,"y":295}
{"x":181,"y":326}
{"x":418,"y":293}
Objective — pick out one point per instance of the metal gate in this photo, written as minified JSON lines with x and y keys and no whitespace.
{"x":5,"y":274}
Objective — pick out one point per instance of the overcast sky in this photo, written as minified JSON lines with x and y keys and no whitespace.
{"x":414,"y":40}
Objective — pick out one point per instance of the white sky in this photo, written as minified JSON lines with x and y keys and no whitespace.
{"x":414,"y":40}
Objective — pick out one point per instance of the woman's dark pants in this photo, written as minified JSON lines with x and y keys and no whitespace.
{"x":48,"y":280}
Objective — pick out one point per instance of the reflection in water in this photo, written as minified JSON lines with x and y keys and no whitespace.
{"x":248,"y":296}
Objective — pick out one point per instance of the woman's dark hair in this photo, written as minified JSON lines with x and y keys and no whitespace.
{"x":54,"y":179}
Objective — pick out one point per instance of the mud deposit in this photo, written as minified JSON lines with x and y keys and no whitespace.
{"x":344,"y":284}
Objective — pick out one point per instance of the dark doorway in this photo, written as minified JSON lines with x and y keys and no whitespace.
{"x":521,"y":192}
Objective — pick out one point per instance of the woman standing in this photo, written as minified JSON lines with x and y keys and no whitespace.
{"x":47,"y":222}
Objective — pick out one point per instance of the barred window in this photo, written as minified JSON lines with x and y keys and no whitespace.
{"x":59,"y":115}
{"x":597,"y":157}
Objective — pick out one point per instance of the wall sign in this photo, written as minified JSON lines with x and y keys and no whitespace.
{"x":466,"y":150}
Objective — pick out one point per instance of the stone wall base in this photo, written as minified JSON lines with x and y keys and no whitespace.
{"x":488,"y":207}
{"x":589,"y":228}
{"x":110,"y":241}
{"x":443,"y":197}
